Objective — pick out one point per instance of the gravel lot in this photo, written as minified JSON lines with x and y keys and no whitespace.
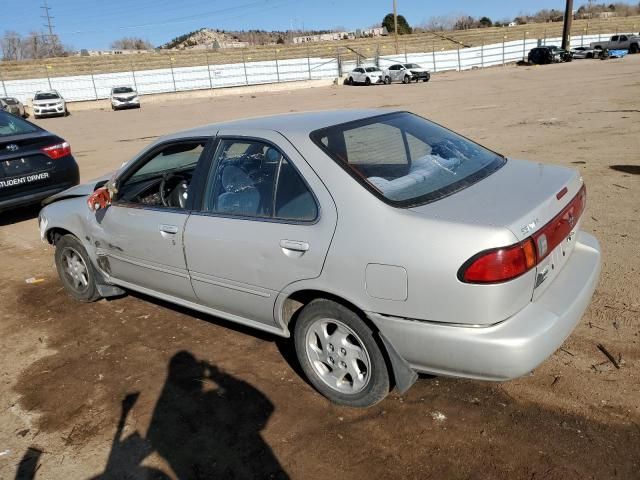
{"x":207,"y":399}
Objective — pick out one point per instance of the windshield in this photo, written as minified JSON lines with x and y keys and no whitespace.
{"x":10,"y":125}
{"x":405,"y":159}
{"x":46,"y":96}
{"x":373,"y":69}
{"x":10,"y":101}
{"x":411,"y":65}
{"x":123,"y":90}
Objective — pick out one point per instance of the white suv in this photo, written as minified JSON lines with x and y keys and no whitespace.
{"x":124,"y":97}
{"x":49,"y":103}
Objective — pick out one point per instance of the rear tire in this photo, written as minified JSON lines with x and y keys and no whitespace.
{"x":387,"y":80}
{"x":339,"y":354}
{"x":634,"y":48}
{"x":367,"y":81}
{"x":75,"y":269}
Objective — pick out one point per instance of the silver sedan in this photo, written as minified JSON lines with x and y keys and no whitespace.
{"x":381,"y":243}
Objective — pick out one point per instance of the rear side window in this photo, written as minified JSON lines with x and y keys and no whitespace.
{"x":406,"y":160}
{"x":10,"y":125}
{"x":253,"y":179}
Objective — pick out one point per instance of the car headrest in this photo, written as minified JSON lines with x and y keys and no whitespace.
{"x":234,"y":179}
{"x":272,"y":155}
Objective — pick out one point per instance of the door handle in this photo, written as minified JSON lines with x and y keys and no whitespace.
{"x":294,"y":245}
{"x":170,"y":229}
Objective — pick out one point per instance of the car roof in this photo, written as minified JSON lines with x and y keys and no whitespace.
{"x":296,"y":123}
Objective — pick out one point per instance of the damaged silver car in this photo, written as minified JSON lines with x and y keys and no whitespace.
{"x":381,"y":243}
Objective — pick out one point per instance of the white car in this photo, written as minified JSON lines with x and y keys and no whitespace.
{"x":124,"y":97}
{"x":366,"y":75}
{"x":585,"y":52}
{"x":49,"y":103}
{"x":406,"y":72}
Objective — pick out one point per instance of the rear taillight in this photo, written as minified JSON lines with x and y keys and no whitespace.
{"x":506,"y":263}
{"x":500,"y":264}
{"x":57,"y":151}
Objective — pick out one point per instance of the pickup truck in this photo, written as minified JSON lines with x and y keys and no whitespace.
{"x":619,"y":42}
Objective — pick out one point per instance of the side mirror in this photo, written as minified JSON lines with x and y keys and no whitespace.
{"x":99,"y":199}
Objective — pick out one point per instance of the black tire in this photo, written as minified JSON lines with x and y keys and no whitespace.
{"x":71,"y":245}
{"x":387,"y":80}
{"x":377,"y":376}
{"x":589,"y":55}
{"x":350,"y":81}
{"x":427,"y":78}
{"x":367,"y":81}
{"x":406,"y":79}
{"x":634,"y":48}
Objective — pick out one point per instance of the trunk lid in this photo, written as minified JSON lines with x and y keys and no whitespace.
{"x":524,"y":197}
{"x":21,"y":155}
{"x":521,"y":196}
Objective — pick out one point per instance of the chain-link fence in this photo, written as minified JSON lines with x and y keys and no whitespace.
{"x":91,"y":78}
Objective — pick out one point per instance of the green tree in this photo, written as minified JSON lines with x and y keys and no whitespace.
{"x":485,"y":22}
{"x":403,"y":25}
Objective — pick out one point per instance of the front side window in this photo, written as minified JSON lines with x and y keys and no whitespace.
{"x":405,"y":159}
{"x":164,"y":179}
{"x":253,"y":179}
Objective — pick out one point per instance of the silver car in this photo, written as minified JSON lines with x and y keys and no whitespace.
{"x":406,"y":72}
{"x":381,"y":243}
{"x":13,"y":105}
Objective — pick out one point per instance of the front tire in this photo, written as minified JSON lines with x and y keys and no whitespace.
{"x":406,"y":80}
{"x":367,"y":81}
{"x":339,"y":355}
{"x":76,"y":270}
{"x":387,"y":80}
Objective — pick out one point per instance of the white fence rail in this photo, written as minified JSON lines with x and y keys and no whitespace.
{"x":178,"y":79}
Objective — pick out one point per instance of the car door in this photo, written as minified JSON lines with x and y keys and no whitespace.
{"x":139,"y":239}
{"x":623,"y":42}
{"x":266,"y":221}
{"x":359,"y":75}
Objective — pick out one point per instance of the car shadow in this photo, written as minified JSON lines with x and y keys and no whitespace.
{"x":205,"y":424}
{"x":20,"y":214}
{"x":631,"y":169}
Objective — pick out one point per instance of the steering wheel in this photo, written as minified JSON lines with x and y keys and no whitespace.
{"x":178,"y":191}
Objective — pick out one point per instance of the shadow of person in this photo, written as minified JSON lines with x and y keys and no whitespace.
{"x":207,"y":424}
{"x":29,"y":464}
{"x":127,"y":454}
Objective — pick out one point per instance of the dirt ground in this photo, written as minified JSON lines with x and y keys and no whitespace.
{"x":133,"y":387}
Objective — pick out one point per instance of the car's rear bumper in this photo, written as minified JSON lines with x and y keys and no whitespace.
{"x":511,"y":348}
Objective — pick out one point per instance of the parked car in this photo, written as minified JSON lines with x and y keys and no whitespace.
{"x":366,"y":75}
{"x":585,"y":52}
{"x":382,"y":244}
{"x":406,"y":72}
{"x":548,"y":54}
{"x":619,"y":42}
{"x":34,"y":163}
{"x":124,"y":97}
{"x":49,"y":103}
{"x":13,"y":105}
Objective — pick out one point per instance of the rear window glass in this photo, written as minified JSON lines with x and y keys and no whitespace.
{"x":46,"y":96}
{"x":405,"y":159}
{"x":11,"y":125}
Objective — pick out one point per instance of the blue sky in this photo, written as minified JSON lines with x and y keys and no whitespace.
{"x":95,"y":24}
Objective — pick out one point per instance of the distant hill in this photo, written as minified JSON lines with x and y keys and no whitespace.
{"x":210,"y":38}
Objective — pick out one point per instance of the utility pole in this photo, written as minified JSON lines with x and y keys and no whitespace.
{"x":47,"y":16}
{"x":566,"y":29}
{"x":395,"y":24}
